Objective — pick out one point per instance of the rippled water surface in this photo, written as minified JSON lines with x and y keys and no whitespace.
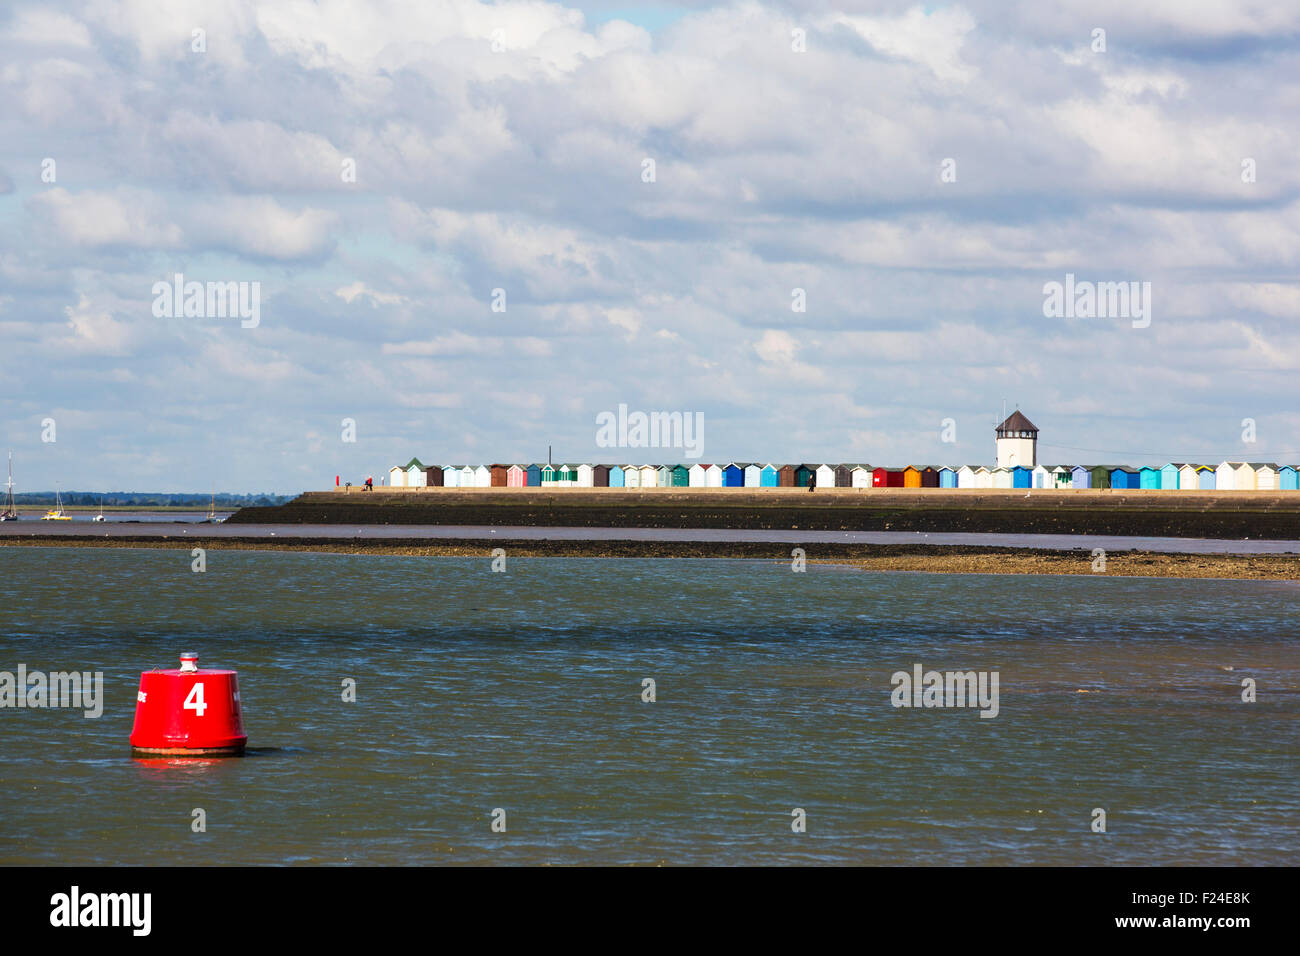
{"x":522,"y":690}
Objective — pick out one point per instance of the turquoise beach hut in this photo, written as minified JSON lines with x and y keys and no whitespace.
{"x":1149,"y":478}
{"x":1288,"y":478}
{"x":1169,"y":477}
{"x":616,"y":478}
{"x":770,"y":477}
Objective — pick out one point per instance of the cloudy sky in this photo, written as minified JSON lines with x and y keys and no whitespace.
{"x":920,"y":172}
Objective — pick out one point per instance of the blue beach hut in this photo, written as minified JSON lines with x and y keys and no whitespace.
{"x":1169,"y":477}
{"x":1021,"y":477}
{"x":1149,"y":478}
{"x":733,"y":476}
{"x":1124,"y":478}
{"x":1288,"y":478}
{"x":1080,"y":477}
{"x":770,"y":477}
{"x":616,"y":479}
{"x":1206,"y":478}
{"x":947,"y":478}
{"x":534,"y":476}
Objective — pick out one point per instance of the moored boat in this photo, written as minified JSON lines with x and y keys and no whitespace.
{"x":10,"y":512}
{"x":56,"y":513}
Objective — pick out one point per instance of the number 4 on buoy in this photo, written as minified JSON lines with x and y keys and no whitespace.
{"x":195,"y":702}
{"x":188,"y":712}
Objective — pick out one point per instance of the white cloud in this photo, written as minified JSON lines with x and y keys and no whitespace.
{"x":123,"y":218}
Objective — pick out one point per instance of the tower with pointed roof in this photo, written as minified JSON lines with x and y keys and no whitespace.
{"x":1017,"y":442}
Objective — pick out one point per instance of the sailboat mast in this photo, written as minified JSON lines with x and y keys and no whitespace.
{"x":9,"y":490}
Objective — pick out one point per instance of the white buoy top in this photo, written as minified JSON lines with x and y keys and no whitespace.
{"x":189,"y":662}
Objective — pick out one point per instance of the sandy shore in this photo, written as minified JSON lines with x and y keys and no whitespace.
{"x":925,"y":558}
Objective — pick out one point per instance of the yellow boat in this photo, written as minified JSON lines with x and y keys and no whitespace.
{"x":56,"y":514}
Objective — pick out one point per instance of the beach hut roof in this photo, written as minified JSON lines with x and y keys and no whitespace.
{"x":413,"y":463}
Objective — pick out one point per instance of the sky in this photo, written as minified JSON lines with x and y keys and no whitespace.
{"x":469,"y":229}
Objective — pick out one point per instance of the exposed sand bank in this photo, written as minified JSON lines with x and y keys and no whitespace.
{"x":928,"y":558}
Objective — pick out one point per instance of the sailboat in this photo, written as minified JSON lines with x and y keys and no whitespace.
{"x":56,"y":514}
{"x":212,"y":512}
{"x":100,"y":516}
{"x":11,"y":512}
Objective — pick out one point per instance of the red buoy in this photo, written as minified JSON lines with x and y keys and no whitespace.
{"x":188,"y":712}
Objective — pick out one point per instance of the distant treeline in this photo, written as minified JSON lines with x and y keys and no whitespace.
{"x":147,"y":499}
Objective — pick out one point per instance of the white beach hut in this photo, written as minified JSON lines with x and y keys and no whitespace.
{"x":697,"y":476}
{"x":1225,"y":476}
{"x":649,"y":476}
{"x":586,"y":476}
{"x":451,"y":476}
{"x":482,"y":476}
{"x":1001,"y":478}
{"x":1265,"y":475}
{"x":713,"y":477}
{"x":860,"y":477}
{"x":397,"y":477}
{"x":1243,"y":476}
{"x":1188,"y":479}
{"x":966,"y":476}
{"x":753,"y":476}
{"x":825,"y":476}
{"x":416,"y":475}
{"x":631,"y":476}
{"x":1041,"y":477}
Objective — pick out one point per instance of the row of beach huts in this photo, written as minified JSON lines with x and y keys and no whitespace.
{"x":1228,"y":475}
